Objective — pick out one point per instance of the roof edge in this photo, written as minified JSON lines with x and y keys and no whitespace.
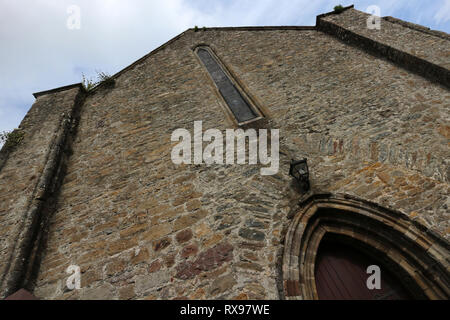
{"x":132,"y":65}
{"x":161,"y":47}
{"x":418,"y":27}
{"x":253,"y":28}
{"x":68,"y":87}
{"x":403,"y":59}
{"x":319,"y":27}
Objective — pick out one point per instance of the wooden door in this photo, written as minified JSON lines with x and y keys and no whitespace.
{"x":341,"y":274}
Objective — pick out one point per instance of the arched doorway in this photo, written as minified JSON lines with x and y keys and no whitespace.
{"x":341,"y":274}
{"x":414,"y":259}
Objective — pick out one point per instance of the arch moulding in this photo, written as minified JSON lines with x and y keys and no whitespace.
{"x":415,"y":254}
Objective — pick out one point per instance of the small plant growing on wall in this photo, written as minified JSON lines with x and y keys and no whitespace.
{"x":88,"y":84}
{"x":102,"y":78}
{"x":11,"y":139}
{"x":338,"y":9}
{"x":105,"y":79}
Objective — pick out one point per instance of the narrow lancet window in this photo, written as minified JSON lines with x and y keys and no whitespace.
{"x":234,"y":98}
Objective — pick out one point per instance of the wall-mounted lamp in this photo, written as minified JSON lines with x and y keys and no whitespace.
{"x":299,"y":170}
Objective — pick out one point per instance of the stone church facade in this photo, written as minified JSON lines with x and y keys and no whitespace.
{"x":92,"y":183}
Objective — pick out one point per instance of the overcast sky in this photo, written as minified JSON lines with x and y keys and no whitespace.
{"x":38,"y":51}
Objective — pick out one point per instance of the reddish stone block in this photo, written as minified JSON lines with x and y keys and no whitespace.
{"x":189,"y":250}
{"x":184,"y":236}
{"x":206,"y":261}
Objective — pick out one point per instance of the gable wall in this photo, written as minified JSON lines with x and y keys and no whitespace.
{"x":127,"y":213}
{"x":141,"y":227}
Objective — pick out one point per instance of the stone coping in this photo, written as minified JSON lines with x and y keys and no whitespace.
{"x":70,"y":86}
{"x":401,"y":58}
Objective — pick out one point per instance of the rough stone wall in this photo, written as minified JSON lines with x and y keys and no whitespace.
{"x":141,"y":227}
{"x":385,"y":43}
{"x":25,"y":178}
{"x":425,"y":44}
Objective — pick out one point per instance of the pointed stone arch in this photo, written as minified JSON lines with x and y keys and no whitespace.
{"x":417,"y":255}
